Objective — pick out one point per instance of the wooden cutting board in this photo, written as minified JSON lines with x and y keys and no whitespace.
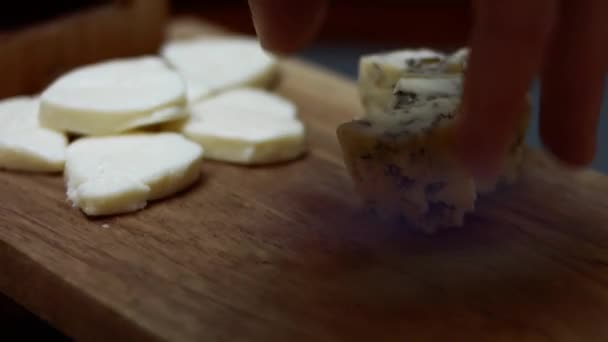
{"x":284,"y":253}
{"x":34,"y":54}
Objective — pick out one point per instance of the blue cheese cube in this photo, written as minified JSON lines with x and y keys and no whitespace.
{"x":400,"y":154}
{"x":412,"y":172}
{"x":408,"y":173}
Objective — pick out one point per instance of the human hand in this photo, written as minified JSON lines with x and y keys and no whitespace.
{"x":562,"y":41}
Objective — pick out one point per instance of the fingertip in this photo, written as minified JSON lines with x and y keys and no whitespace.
{"x":567,"y":149}
{"x":571,"y":97}
{"x":481,"y":158}
{"x":495,"y":84}
{"x":284,"y":27}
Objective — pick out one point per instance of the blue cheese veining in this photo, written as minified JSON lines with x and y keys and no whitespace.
{"x":379,"y":73}
{"x":416,"y":101}
{"x":400,"y":154}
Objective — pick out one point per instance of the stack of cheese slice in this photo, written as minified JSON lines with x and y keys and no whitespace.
{"x":199,"y":90}
{"x":400,"y":155}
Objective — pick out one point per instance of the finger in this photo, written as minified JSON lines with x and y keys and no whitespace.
{"x":286,"y":26}
{"x":506,"y":51}
{"x":573,"y":80}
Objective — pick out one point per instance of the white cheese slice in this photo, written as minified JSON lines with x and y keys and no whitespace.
{"x":113,"y":97}
{"x":247,"y":127}
{"x":119,"y":174}
{"x":212,"y":65}
{"x":24,"y":144}
{"x":250,"y":102}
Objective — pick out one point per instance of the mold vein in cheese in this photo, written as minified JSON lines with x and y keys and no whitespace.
{"x":400,"y":154}
{"x":379,"y":73}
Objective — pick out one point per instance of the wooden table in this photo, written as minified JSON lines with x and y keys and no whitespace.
{"x":284,"y":253}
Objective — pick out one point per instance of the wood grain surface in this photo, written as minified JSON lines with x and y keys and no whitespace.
{"x":284,"y":253}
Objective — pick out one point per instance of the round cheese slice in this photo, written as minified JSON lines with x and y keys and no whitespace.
{"x":246,"y":127}
{"x":24,"y":145}
{"x":119,"y":174}
{"x":114,"y":96}
{"x":248,"y":102}
{"x":212,"y":65}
